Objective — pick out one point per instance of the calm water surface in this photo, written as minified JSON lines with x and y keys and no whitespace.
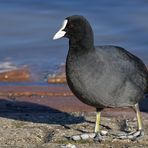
{"x":27,"y":28}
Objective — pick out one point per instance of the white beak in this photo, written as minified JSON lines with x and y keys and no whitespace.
{"x":61,"y":33}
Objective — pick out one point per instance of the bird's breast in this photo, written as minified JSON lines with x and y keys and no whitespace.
{"x":82,"y":76}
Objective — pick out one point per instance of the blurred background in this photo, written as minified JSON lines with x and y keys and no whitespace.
{"x":27,"y":28}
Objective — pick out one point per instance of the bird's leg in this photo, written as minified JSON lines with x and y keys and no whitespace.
{"x":136,"y":134}
{"x":140,"y":132}
{"x":139,"y":119}
{"x":97,"y":126}
{"x":96,"y":136}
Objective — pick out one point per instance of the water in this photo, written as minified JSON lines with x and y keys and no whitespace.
{"x":27,"y":28}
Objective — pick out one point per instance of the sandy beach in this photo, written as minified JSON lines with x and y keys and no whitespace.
{"x":44,"y":129}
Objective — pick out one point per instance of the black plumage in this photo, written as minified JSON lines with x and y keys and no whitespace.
{"x":101,"y":76}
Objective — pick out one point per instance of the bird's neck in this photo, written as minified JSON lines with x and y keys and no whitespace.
{"x":82,"y":46}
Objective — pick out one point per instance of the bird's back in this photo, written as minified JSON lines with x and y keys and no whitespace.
{"x":128,"y":64}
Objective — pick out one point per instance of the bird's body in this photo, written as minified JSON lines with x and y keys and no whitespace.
{"x":107,"y":76}
{"x":102,"y":76}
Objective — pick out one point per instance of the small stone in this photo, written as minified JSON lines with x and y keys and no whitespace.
{"x":92,"y":135}
{"x":85,"y":136}
{"x":70,"y":146}
{"x":103,"y":133}
{"x":76,"y":138}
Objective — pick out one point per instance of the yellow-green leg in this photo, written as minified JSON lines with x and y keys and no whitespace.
{"x":139,"y":118}
{"x":96,"y":136}
{"x":139,"y":133}
{"x":97,"y":126}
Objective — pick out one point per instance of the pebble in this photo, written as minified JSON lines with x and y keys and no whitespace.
{"x":85,"y":136}
{"x":69,"y":145}
{"x":76,"y":138}
{"x":92,"y":135}
{"x":103,"y":133}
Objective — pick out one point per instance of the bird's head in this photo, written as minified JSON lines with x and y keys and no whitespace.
{"x":74,"y":27}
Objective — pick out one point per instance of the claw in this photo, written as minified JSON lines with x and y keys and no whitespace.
{"x":132,"y":136}
{"x":98,"y":137}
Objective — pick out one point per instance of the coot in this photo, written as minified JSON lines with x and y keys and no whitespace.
{"x":102,"y":76}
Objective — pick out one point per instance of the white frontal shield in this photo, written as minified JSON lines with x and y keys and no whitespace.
{"x":61,"y":33}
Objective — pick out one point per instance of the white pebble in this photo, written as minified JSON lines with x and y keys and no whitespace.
{"x":76,"y":138}
{"x":70,"y":146}
{"x":92,"y":135}
{"x":85,"y":136}
{"x":103,"y":133}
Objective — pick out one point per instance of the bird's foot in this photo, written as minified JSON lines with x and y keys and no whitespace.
{"x":132,"y":136}
{"x":98,"y":137}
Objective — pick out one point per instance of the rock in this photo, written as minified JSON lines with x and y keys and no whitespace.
{"x":85,"y":136}
{"x":57,"y":79}
{"x":58,"y":76}
{"x":17,"y":75}
{"x":76,"y":138}
{"x":103,"y":132}
{"x":92,"y":135}
{"x":70,"y":146}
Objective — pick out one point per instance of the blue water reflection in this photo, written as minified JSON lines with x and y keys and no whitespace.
{"x":27,"y":28}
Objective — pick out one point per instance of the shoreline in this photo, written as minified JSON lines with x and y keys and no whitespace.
{"x":57,"y":97}
{"x":54,"y":93}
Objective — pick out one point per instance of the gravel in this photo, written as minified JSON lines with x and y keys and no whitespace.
{"x":18,"y":132}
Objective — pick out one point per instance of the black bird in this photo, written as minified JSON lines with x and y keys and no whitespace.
{"x":102,"y":76}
